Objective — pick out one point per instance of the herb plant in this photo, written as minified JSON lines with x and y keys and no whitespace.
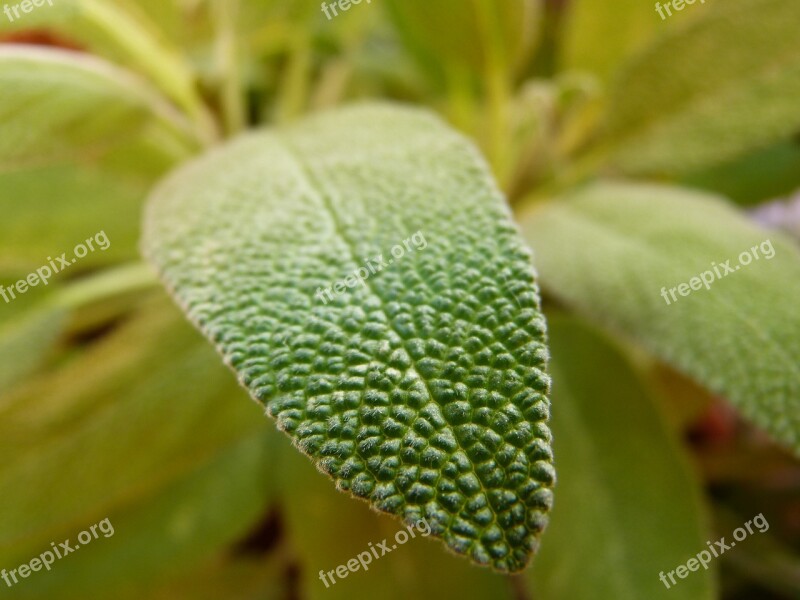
{"x":451,"y":248}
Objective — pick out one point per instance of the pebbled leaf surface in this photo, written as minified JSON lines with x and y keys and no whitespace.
{"x":423,"y":391}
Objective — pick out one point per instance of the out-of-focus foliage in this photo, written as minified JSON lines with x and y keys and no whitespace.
{"x":734,"y":76}
{"x":63,"y":105}
{"x":620,"y":536}
{"x":641,"y":242}
{"x":111,"y":406}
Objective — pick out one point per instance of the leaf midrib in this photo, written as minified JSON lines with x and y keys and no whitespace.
{"x":314,"y":187}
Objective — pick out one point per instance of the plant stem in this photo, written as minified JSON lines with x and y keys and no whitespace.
{"x":163,"y":64}
{"x":498,"y":87}
{"x":126,"y":278}
{"x":233,"y":110}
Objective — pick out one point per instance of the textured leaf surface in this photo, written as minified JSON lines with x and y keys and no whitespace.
{"x":628,"y":506}
{"x":416,"y":569}
{"x":57,"y":105}
{"x":700,"y":96}
{"x":610,"y":250}
{"x":424,"y":390}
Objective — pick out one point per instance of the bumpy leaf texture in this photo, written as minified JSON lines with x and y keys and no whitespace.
{"x":419,"y":384}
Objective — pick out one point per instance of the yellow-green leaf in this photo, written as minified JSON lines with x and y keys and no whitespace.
{"x":724,"y":84}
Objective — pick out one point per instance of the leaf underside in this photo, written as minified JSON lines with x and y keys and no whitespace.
{"x":423,"y":390}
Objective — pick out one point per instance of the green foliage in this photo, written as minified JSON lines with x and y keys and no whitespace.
{"x":187,"y":487}
{"x":423,"y":390}
{"x":645,"y":512}
{"x":87,"y":200}
{"x":65,"y":104}
{"x":599,"y":41}
{"x":480,"y":32}
{"x":122,"y":32}
{"x":740,"y":338}
{"x":760,"y":175}
{"x":27,"y":339}
{"x":696,"y":98}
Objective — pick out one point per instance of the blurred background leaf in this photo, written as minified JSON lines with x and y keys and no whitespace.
{"x":199,"y":476}
{"x":741,"y":338}
{"x":628,"y":506}
{"x":600,"y":38}
{"x":722,"y":85}
{"x":61,"y":104}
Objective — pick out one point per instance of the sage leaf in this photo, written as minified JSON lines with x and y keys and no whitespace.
{"x":619,"y":520}
{"x":698,"y":96}
{"x":59,"y":105}
{"x":616,"y":252}
{"x":419,"y":385}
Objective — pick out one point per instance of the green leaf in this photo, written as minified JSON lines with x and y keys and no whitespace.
{"x":27,"y":340}
{"x":758,"y":176}
{"x":47,"y":211}
{"x":28,"y":334}
{"x":323,"y":543}
{"x":98,"y":411}
{"x":611,"y":251}
{"x":628,"y":507}
{"x":424,"y":390}
{"x":700,"y":95}
{"x":164,"y":532}
{"x":121,"y":31}
{"x":60,"y":105}
{"x":466,"y":35}
{"x":598,"y":37}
